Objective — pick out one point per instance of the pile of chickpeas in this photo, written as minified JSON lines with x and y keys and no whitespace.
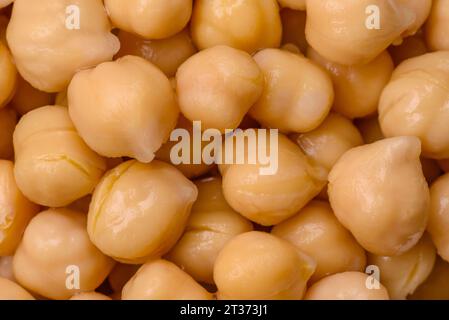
{"x":92,"y":206}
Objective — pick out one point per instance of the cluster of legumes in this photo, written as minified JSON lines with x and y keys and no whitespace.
{"x":93,"y":207}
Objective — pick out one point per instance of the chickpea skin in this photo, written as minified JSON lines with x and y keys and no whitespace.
{"x":436,"y":286}
{"x":8,"y":121}
{"x":53,"y":167}
{"x":248,"y":25}
{"x":47,"y":52}
{"x":55,"y":240}
{"x":414,"y":103}
{"x":211,"y":225}
{"x":259,"y":266}
{"x":402,"y":274}
{"x":8,"y":76}
{"x":316,"y":232}
{"x":12,"y":291}
{"x":123,"y":108}
{"x":150,"y":19}
{"x":437,"y":26}
{"x":163,"y":280}
{"x":16,"y":210}
{"x":28,"y":98}
{"x":298,"y":95}
{"x":139,"y":211}
{"x":379,"y":193}
{"x":349,"y":285}
{"x":218,"y":86}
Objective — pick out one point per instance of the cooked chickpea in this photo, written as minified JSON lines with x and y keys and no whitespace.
{"x":349,"y":285}
{"x":8,"y":121}
{"x":28,"y":98}
{"x":8,"y":76}
{"x":298,"y":94}
{"x":420,"y":10}
{"x":54,"y":166}
{"x":402,"y":274}
{"x":316,"y":231}
{"x":167,"y":54}
{"x":218,"y":86}
{"x":139,"y":211}
{"x":211,"y":225}
{"x":437,"y":26}
{"x":257,"y":265}
{"x":89,"y":296}
{"x":163,"y":280}
{"x":12,"y":291}
{"x":120,"y":275}
{"x":151,"y":19}
{"x":56,"y":241}
{"x":47,"y":51}
{"x":436,"y":286}
{"x":6,"y":269}
{"x":379,"y":193}
{"x":248,"y":25}
{"x":294,"y":28}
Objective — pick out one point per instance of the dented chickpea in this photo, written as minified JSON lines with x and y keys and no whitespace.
{"x":47,"y":51}
{"x":28,"y":98}
{"x":436,"y":286}
{"x":379,"y":193}
{"x":8,"y":121}
{"x":294,"y":28}
{"x":349,"y":285}
{"x":298,"y":94}
{"x":12,"y":291}
{"x":437,"y":26}
{"x":54,"y":245}
{"x":139,"y":211}
{"x":8,"y":76}
{"x":257,"y":265}
{"x":218,"y":86}
{"x":54,"y":166}
{"x":211,"y":225}
{"x":163,"y":280}
{"x":123,"y":108}
{"x":248,"y":25}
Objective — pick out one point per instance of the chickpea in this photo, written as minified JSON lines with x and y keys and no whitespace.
{"x":248,"y":25}
{"x":411,"y":47}
{"x":28,"y":98}
{"x":218,"y":86}
{"x":8,"y":121}
{"x":294,"y":28}
{"x":121,"y":274}
{"x":6,"y":270}
{"x":421,"y":11}
{"x":8,"y":76}
{"x":257,"y":265}
{"x":379,"y":193}
{"x":327,"y":143}
{"x":12,"y":291}
{"x":151,"y":19}
{"x":163,"y":280}
{"x":437,"y":26}
{"x":415,"y":100}
{"x":402,"y":274}
{"x":16,"y":210}
{"x":298,"y":95}
{"x":349,"y":285}
{"x":271,"y":199}
{"x":316,"y":232}
{"x":436,"y":286}
{"x":293,"y":4}
{"x":211,"y":225}
{"x":90,"y":296}
{"x":167,"y":54}
{"x":53,"y":241}
{"x":54,"y":166}
{"x":139,"y":211}
{"x":47,"y":52}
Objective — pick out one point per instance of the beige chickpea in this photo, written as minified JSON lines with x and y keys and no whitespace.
{"x":56,"y":245}
{"x":218,"y":86}
{"x":349,"y":285}
{"x":257,"y":265}
{"x":379,"y":193}
{"x":49,"y":49}
{"x":272,"y":198}
{"x":211,"y":225}
{"x":421,"y":11}
{"x":167,"y":54}
{"x":294,"y":28}
{"x":411,"y":47}
{"x":402,"y":274}
{"x":436,"y":286}
{"x":54,"y":166}
{"x":139,"y":211}
{"x":437,"y":26}
{"x":28,"y":98}
{"x":298,"y":95}
{"x":414,"y":103}
{"x":316,"y":231}
{"x":16,"y":210}
{"x":8,"y":121}
{"x":12,"y":291}
{"x":151,"y":19}
{"x":327,"y":143}
{"x":342,"y":31}
{"x":293,"y":4}
{"x":248,"y":25}
{"x":89,"y":296}
{"x":163,"y":280}
{"x":123,"y":108}
{"x":8,"y":76}
{"x":357,"y":88}
{"x":6,"y":269}
{"x":120,"y":275}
